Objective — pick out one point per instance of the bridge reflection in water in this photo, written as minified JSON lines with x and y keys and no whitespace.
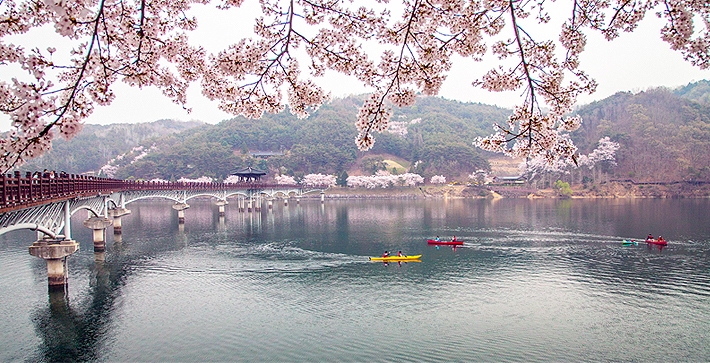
{"x":45,"y":202}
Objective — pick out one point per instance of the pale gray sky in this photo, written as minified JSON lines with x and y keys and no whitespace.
{"x":634,"y":62}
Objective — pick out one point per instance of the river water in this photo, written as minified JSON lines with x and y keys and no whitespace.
{"x":541,"y":280}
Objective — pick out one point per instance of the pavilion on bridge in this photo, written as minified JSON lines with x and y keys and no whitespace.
{"x":249,"y":175}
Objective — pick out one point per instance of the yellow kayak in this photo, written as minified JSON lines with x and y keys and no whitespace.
{"x":395,"y":258}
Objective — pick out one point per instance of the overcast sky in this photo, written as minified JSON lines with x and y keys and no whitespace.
{"x":634,"y":62}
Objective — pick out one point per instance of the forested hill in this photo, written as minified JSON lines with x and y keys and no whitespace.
{"x":97,"y":144}
{"x":696,"y":91}
{"x":664,"y":134}
{"x":436,"y":131}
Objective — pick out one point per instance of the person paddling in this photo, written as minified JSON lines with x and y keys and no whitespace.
{"x":386,"y":254}
{"x":400,"y":254}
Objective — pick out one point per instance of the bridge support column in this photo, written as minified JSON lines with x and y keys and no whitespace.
{"x":298,"y":199}
{"x":117,"y":214}
{"x":322,"y":197}
{"x":180,"y":208}
{"x":220,"y":205}
{"x":240,"y":201}
{"x":286,"y":201}
{"x":257,"y":206}
{"x":99,"y":225}
{"x":270,"y":203}
{"x":249,"y":205}
{"x":55,"y":252}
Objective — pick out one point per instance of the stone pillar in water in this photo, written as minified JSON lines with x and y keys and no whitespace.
{"x":99,"y":225}
{"x":117,"y":214}
{"x":55,"y":251}
{"x":220,"y":205}
{"x":180,"y":208}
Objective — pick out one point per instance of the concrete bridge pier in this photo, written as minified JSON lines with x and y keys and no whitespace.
{"x":117,"y":213}
{"x":220,"y":205}
{"x":286,"y":201}
{"x":249,"y":205}
{"x":180,"y":208}
{"x":99,"y":225}
{"x":257,"y":205}
{"x":55,"y":251}
{"x":322,"y":197}
{"x":240,"y":201}
{"x":270,"y":203}
{"x":298,"y":199}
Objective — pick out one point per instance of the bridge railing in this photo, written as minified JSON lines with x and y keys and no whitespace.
{"x":17,"y":191}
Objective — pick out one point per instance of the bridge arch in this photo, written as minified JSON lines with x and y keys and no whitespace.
{"x":30,"y":226}
{"x":128,"y":201}
{"x":85,"y":207}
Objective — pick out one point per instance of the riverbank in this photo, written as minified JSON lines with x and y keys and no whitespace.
{"x":614,"y":189}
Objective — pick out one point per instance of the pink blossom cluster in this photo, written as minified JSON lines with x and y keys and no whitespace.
{"x":318,"y":179}
{"x":438,"y":179}
{"x":232,"y":179}
{"x":481,"y":176}
{"x":383,"y":179}
{"x":400,"y":127}
{"x":108,"y":171}
{"x":604,"y":152}
{"x":285,"y":179}
{"x":141,"y":43}
{"x":146,"y":44}
{"x":202,"y":179}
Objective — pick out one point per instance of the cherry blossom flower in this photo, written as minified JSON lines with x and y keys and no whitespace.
{"x":318,"y":180}
{"x":147,"y":44}
{"x":285,"y":179}
{"x":384,"y":179}
{"x":202,"y":179}
{"x":437,"y":179}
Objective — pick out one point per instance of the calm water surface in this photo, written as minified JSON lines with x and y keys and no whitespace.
{"x":542,"y":280}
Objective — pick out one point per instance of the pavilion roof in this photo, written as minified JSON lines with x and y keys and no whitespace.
{"x":249,"y":171}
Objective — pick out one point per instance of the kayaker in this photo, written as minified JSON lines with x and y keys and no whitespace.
{"x":649,"y":238}
{"x":399,"y":254}
{"x":660,"y":239}
{"x":438,"y":239}
{"x":454,"y":239}
{"x":386,"y":254}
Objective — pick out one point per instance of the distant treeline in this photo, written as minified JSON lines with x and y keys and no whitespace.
{"x":664,"y":136}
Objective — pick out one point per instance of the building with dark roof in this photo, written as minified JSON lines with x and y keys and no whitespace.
{"x":249,"y":174}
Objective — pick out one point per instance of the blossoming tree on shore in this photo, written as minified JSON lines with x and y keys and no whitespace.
{"x":383,"y":179}
{"x":318,"y":180}
{"x":146,"y":43}
{"x":285,"y":180}
{"x":438,"y":179}
{"x":202,"y":179}
{"x":603,"y":155}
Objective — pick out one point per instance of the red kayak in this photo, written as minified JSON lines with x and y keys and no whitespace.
{"x":657,"y":242}
{"x":444,"y":242}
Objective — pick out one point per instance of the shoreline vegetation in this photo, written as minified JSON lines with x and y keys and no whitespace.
{"x":611,"y":189}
